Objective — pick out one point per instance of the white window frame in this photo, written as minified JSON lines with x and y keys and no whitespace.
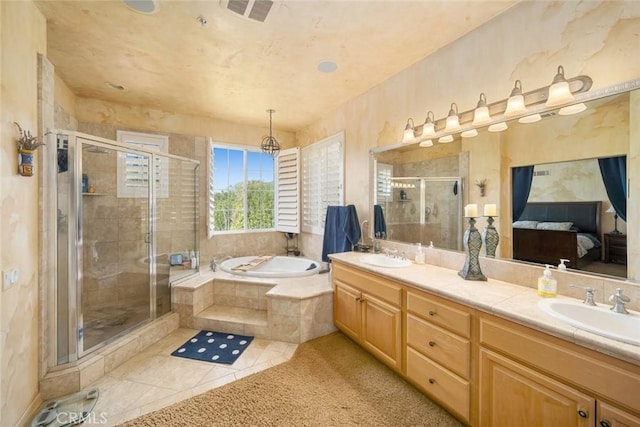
{"x":147,"y":141}
{"x":210,"y":191}
{"x":322,"y":181}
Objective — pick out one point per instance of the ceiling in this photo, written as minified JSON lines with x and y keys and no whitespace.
{"x":235,"y":68}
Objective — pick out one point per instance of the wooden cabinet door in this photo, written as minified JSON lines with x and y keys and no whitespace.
{"x":514,"y":395}
{"x":347,"y":310}
{"x":381,"y":330}
{"x":610,"y":416}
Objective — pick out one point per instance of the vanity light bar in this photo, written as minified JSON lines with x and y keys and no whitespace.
{"x":535,"y":103}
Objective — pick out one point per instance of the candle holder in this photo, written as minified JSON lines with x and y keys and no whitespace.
{"x":472,"y":244}
{"x":490,"y":238}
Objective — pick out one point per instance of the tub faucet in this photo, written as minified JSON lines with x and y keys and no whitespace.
{"x":214,"y":262}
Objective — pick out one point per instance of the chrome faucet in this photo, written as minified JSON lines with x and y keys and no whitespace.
{"x":214,"y":262}
{"x":618,"y":301}
{"x":589,"y":292}
{"x":392,"y":252}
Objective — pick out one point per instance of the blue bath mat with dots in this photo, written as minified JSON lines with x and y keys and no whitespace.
{"x":217,"y":347}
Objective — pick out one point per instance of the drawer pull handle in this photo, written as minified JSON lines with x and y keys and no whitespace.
{"x":583,"y":413}
{"x":432,"y":381}
{"x":432,"y":343}
{"x":432,"y":312}
{"x":604,"y":423}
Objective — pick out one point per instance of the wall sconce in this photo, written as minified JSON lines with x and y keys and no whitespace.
{"x":515,"y":103}
{"x":481,"y":114}
{"x":428,"y":129}
{"x":27,"y":145}
{"x":453,"y":121}
{"x":409,"y":134}
{"x":559,"y":92}
{"x":526,"y":107}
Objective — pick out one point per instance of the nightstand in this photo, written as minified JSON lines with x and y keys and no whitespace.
{"x":615,"y":248}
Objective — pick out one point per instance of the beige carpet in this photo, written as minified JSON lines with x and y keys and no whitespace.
{"x":330,"y":381}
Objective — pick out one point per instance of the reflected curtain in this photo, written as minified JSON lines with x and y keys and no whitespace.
{"x":614,"y":176}
{"x":521,"y":179}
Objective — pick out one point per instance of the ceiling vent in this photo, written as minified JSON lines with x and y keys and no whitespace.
{"x":252,"y":9}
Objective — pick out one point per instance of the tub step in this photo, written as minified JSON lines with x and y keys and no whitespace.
{"x":236,"y":320}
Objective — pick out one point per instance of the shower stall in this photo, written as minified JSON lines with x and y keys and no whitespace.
{"x":127,"y":228}
{"x":422,"y":209}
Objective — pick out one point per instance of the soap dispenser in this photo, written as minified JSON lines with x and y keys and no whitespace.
{"x":547,"y":285}
{"x":562,"y":266}
{"x":420,"y":256}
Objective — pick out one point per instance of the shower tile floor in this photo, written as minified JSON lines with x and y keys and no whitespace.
{"x":154,"y":379}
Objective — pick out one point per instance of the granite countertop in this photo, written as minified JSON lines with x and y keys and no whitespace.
{"x":513,"y":302}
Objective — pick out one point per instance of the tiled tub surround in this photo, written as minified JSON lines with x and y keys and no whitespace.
{"x":292,"y":310}
{"x":515,"y":298}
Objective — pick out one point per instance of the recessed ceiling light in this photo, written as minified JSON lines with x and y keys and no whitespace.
{"x":142,"y":6}
{"x":115,"y":86}
{"x":327,"y":67}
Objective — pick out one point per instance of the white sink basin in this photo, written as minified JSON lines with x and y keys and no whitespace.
{"x":598,"y":320}
{"x":385,"y":261}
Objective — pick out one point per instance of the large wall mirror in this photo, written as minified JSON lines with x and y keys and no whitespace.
{"x":563,"y":156}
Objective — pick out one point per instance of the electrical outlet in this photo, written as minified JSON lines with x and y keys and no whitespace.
{"x":9,"y":278}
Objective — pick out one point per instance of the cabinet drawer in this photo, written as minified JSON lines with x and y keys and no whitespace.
{"x":436,"y":312}
{"x":439,"y":383}
{"x":602,"y":375}
{"x":438,"y":344}
{"x":369,"y":283}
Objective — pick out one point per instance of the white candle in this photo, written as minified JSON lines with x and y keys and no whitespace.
{"x":490,"y":210}
{"x":471,"y":210}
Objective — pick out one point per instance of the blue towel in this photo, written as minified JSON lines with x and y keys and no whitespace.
{"x":379,"y":225}
{"x":341,"y":230}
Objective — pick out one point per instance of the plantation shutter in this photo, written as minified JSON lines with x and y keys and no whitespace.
{"x":134,"y":169}
{"x":322,"y":181}
{"x":384,"y":173}
{"x":288,"y":191}
{"x":211,"y":197}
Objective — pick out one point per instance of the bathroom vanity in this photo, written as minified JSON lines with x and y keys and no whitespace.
{"x":484,"y":350}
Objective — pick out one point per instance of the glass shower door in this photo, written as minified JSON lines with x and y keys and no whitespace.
{"x":442,"y":206}
{"x":114,"y":237}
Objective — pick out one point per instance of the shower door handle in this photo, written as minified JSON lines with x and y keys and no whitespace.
{"x":147,"y":237}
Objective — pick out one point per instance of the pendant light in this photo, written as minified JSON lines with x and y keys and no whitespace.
{"x":269,"y":144}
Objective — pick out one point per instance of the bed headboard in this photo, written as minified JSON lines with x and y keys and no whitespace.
{"x":584,"y":215}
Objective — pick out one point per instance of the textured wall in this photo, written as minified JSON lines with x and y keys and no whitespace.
{"x":527,"y":42}
{"x":23,"y":36}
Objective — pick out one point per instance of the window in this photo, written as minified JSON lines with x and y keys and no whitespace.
{"x":241,"y":189}
{"x":133,"y":169}
{"x":322,"y":178}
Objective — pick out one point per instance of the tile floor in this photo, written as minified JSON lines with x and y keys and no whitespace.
{"x":154,"y":379}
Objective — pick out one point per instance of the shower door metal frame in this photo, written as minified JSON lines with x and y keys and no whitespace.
{"x":75,"y":251}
